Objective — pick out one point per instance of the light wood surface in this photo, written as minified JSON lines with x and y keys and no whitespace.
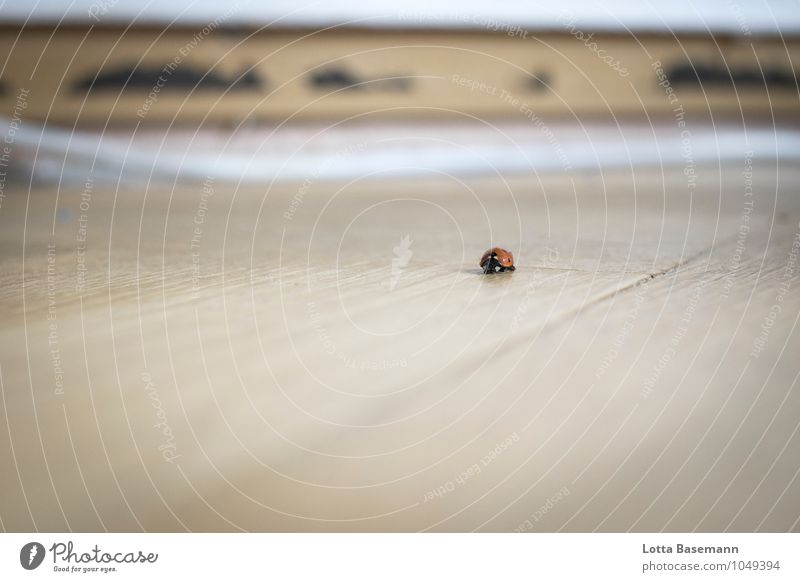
{"x":306,"y":384}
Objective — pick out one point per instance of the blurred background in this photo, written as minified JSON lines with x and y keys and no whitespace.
{"x":239,"y":286}
{"x":104,"y":81}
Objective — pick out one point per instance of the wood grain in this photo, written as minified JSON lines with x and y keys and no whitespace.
{"x":307,"y":384}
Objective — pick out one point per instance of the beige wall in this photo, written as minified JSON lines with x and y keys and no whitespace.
{"x":436,"y":70}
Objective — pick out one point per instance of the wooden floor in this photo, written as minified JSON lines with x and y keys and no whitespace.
{"x":327,"y":356}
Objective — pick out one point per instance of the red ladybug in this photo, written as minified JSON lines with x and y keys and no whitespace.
{"x":497,"y":260}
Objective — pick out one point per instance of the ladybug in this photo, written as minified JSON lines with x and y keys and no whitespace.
{"x":497,"y":260}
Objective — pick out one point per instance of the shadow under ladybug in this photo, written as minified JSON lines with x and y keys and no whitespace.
{"x":497,"y":260}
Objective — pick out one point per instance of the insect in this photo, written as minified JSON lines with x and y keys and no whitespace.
{"x":497,"y":260}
